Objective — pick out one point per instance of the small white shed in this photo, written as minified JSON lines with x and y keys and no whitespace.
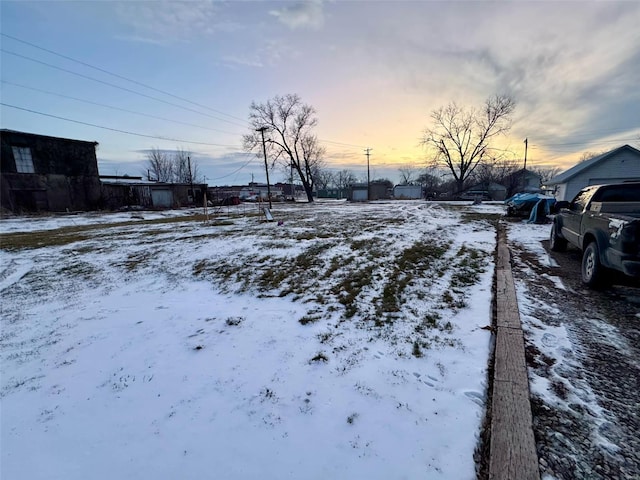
{"x":407,"y":192}
{"x":617,"y":166}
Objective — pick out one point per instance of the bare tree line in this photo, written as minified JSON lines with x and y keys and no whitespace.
{"x":172,"y":167}
{"x":459,"y":142}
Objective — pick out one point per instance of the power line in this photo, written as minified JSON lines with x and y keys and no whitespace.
{"x":119,"y":76}
{"x":117,"y":86}
{"x":114,"y":108}
{"x":604,"y":142}
{"x":236,"y":170}
{"x":140,"y":94}
{"x":244,"y":122}
{"x":587,"y":133}
{"x":115,"y":129}
{"x":340,"y":143}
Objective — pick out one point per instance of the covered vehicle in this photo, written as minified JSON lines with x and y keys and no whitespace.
{"x":535,"y":206}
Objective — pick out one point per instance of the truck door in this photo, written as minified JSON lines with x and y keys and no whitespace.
{"x":573,"y":218}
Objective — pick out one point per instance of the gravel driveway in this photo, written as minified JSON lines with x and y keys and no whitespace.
{"x":583,"y":354}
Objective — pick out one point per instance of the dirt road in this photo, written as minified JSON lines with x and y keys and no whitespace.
{"x":585,"y":390}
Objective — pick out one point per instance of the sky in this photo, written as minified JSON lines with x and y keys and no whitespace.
{"x":184,"y":74}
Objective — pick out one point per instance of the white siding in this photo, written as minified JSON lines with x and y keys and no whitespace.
{"x":561,"y":192}
{"x":407,"y":191}
{"x":622,"y":167}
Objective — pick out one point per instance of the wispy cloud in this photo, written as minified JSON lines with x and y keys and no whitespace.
{"x":301,"y":15}
{"x":165,"y":22}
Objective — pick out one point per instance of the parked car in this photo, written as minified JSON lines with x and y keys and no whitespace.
{"x":474,"y":195}
{"x":604,"y":222}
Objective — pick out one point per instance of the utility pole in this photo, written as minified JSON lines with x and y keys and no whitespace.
{"x":368,"y":175}
{"x":193,"y":194}
{"x":266,"y":167}
{"x":524,"y":173}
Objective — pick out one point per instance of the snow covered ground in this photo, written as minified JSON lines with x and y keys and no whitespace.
{"x":345,"y":342}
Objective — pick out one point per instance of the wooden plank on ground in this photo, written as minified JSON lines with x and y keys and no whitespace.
{"x":513,"y":453}
{"x":510,"y":363}
{"x":513,"y":449}
{"x":506,"y":302}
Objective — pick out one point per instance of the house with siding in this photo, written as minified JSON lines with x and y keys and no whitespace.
{"x":619,"y":165}
{"x":42,"y":173}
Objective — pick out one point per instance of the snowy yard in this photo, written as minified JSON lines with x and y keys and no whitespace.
{"x":344,"y":343}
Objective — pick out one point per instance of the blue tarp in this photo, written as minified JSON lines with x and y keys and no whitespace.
{"x":537,"y":204}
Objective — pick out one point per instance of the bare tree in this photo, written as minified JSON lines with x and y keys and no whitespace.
{"x":290,"y":139}
{"x":185,"y":169}
{"x":323,"y":178}
{"x":460,"y":138}
{"x":159,"y":165}
{"x":344,"y":179}
{"x":589,"y":155}
{"x":407,"y":175}
{"x":546,"y":173}
{"x":495,"y":170}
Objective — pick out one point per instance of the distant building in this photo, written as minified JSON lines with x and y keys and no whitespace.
{"x":120,"y":192}
{"x":523,"y":181}
{"x":260,"y":191}
{"x":337,"y":193}
{"x":484,"y":191}
{"x":42,"y":173}
{"x":619,"y":165}
{"x":375,"y":191}
{"x":407,"y":192}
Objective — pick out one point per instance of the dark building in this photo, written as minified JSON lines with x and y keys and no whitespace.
{"x":127,"y":192}
{"x":41,"y":173}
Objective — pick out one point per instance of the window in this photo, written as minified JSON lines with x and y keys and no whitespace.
{"x":580,"y":202}
{"x":22,"y":157}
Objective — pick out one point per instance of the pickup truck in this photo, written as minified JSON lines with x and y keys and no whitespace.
{"x":604,"y":222}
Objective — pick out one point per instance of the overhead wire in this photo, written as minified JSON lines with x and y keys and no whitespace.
{"x":136,"y":82}
{"x":115,"y":129}
{"x":118,"y":86}
{"x":115,"y":108}
{"x":238,"y":169}
{"x":122,"y":77}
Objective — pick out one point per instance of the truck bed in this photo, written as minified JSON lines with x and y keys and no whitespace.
{"x":631,"y":209}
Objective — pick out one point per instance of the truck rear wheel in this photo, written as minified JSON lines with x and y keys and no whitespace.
{"x":556,"y":243}
{"x":592,"y":270}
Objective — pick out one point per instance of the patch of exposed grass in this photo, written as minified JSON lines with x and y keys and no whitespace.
{"x":470,"y":264}
{"x":77,"y":233}
{"x":136,"y":260}
{"x":224,"y":272}
{"x":350,"y":287}
{"x":417,"y":351}
{"x":234,"y":321}
{"x":336,"y":263}
{"x":492,"y":218}
{"x":313,"y":235}
{"x":47,"y":238}
{"x":417,"y":261}
{"x":307,"y":319}
{"x":319,"y":358}
{"x":326,"y":337}
{"x":78,"y":269}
